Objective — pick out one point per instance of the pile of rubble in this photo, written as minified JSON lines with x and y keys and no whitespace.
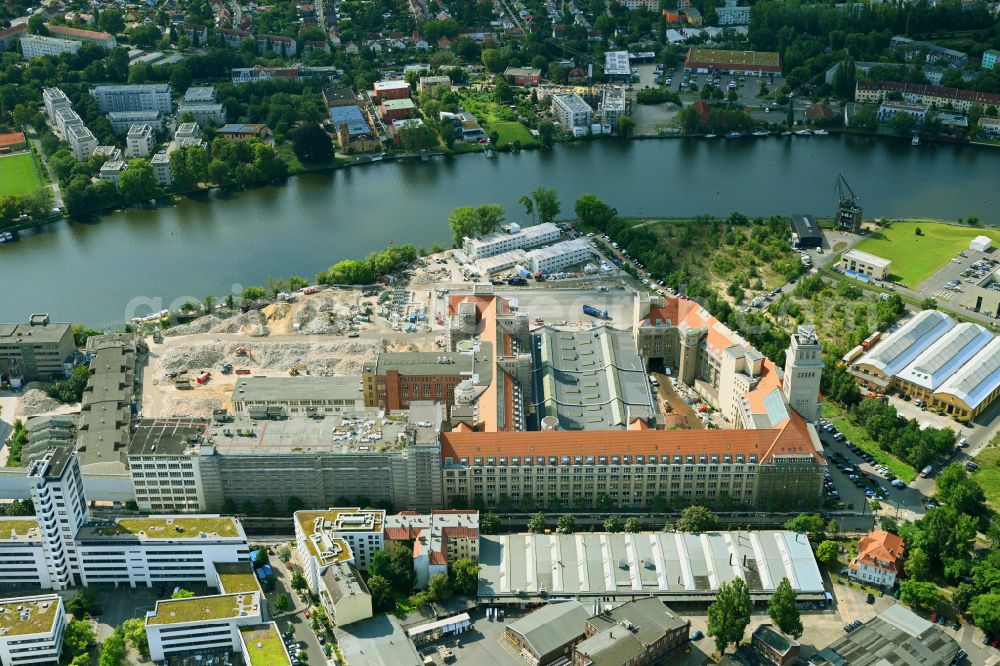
{"x":195,"y":407}
{"x":322,"y":316}
{"x":35,"y":402}
{"x":248,"y":323}
{"x":320,"y":358}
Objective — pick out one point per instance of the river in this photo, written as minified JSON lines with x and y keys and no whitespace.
{"x":139,"y":260}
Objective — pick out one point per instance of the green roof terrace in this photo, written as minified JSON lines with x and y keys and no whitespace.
{"x":18,"y":528}
{"x":263,"y":645}
{"x":236,"y":577}
{"x":28,"y":615}
{"x":169,"y":527}
{"x":203,"y":609}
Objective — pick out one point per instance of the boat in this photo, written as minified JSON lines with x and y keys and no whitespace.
{"x":803,"y":132}
{"x":709,"y":136}
{"x":821,"y":132}
{"x":786,"y":133}
{"x":760,"y":133}
{"x":733,"y":135}
{"x":6,"y":236}
{"x":915,"y":141}
{"x":489,"y":154}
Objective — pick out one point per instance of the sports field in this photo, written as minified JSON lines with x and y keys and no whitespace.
{"x":18,"y":175}
{"x":915,"y":258}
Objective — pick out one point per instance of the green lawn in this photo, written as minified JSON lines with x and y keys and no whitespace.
{"x":18,"y":176}
{"x":860,"y":437}
{"x":511,"y":131}
{"x":915,"y":258}
{"x":988,"y":475}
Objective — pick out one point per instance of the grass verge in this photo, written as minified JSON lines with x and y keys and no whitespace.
{"x":988,"y":474}
{"x":859,"y":436}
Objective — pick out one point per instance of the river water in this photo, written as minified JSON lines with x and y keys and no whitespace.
{"x":140,"y":260}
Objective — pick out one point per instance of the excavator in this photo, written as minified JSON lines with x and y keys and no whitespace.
{"x":300,"y":368}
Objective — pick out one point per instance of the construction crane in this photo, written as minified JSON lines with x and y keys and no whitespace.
{"x":849,"y":211}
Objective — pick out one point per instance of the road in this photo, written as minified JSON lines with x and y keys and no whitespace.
{"x":57,"y":199}
{"x":296,"y":621}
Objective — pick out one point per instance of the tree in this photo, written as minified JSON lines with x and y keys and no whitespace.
{"x":844,"y":80}
{"x":921,"y":594}
{"x":83,"y":602}
{"x":929,"y":304}
{"x":546,"y":203}
{"x":114,"y":651}
{"x":36,"y":25}
{"x":260,"y":557}
{"x":299,"y":581}
{"x":811,"y":523}
{"x":783,"y":611}
{"x":529,"y":205}
{"x":593,"y":212}
{"x":961,"y":492}
{"x":546,"y":133}
{"x":182,"y":594}
{"x":903,"y":123}
{"x":80,"y":660}
{"x":78,"y":636}
{"x":403,"y":577}
{"x":268,"y":507}
{"x":826,"y":552}
{"x":626,"y":127}
{"x":137,"y":182}
{"x":465,"y":573}
{"x":489,"y":523}
{"x":833,"y":527}
{"x":962,"y":596}
{"x":282,"y":603}
{"x":612,"y":524}
{"x":381,"y":591}
{"x":536,"y":524}
{"x":696,"y":518}
{"x":985,"y":611}
{"x":379,"y":565}
{"x":439,"y":587}
{"x":729,"y":614}
{"x":134,"y":630}
{"x":467,"y":221}
{"x":494,"y":60}
{"x":633,"y":525}
{"x":566,"y":524}
{"x":312,"y":145}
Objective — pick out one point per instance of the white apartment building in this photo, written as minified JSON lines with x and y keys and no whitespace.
{"x":200,"y":95}
{"x":888,"y":109}
{"x":733,"y":15}
{"x":571,"y":111}
{"x":161,"y":169}
{"x":514,"y":238}
{"x":187,"y":131}
{"x":143,"y":97}
{"x":204,"y":113}
{"x":33,"y":46}
{"x":54,"y":99}
{"x":65,"y":115}
{"x":613,"y":106}
{"x":102,"y":39}
{"x":61,"y":546}
{"x":81,"y":141}
{"x":553,"y":258}
{"x":112,"y":171}
{"x":109,"y":153}
{"x":31,"y":630}
{"x":140,"y":141}
{"x":200,"y":624}
{"x":122,"y":121}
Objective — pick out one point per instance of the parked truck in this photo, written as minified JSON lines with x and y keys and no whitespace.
{"x":594,"y":312}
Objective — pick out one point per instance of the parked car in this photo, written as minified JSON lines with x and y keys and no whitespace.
{"x":697,"y":636}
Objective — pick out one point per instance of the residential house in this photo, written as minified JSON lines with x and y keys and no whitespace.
{"x":879,"y":560}
{"x":243,"y":132}
{"x":283,"y":46}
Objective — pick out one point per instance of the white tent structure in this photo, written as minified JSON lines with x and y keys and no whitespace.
{"x":981,"y":243}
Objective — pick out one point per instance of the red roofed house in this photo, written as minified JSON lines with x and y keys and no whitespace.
{"x":879,"y":560}
{"x":819,"y":112}
{"x":439,"y":538}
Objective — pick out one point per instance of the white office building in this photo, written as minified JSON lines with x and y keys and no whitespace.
{"x":556,"y":257}
{"x":512,"y":239}
{"x":617,"y":65}
{"x":81,"y":141}
{"x":361,"y":529}
{"x":122,"y":121}
{"x":200,"y":95}
{"x":31,"y":630}
{"x":33,"y":46}
{"x":571,"y":111}
{"x":161,"y":169}
{"x":201,"y":624}
{"x":140,"y":142}
{"x":61,"y":546}
{"x":143,"y":97}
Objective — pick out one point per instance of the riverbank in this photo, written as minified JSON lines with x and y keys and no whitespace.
{"x":220,"y":240}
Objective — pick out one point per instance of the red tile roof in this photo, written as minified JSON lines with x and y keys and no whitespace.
{"x":986,"y":99}
{"x":881,"y":549}
{"x":12,"y":139}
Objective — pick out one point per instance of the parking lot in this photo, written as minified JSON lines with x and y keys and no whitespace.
{"x":949,"y":281}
